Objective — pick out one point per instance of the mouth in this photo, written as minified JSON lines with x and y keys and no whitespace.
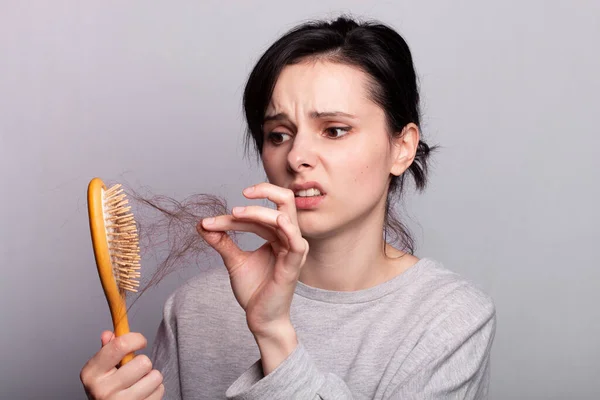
{"x":307,"y":189}
{"x":312,"y":192}
{"x":308,"y":195}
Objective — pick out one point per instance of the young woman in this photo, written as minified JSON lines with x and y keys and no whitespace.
{"x":327,"y":308}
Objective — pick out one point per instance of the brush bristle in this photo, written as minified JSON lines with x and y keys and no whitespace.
{"x":123,"y":240}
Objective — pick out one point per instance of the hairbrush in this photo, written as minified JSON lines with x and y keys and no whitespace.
{"x":116,"y":250}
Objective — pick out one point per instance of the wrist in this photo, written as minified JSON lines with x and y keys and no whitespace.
{"x":275,"y":345}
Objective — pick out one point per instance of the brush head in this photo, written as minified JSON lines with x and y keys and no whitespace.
{"x":122,"y":237}
{"x":115,"y":240}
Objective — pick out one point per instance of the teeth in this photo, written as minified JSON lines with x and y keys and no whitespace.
{"x":308,"y":193}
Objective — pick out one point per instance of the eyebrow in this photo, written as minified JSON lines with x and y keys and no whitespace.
{"x":314,"y":115}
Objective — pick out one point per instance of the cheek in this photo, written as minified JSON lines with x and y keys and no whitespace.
{"x":274,"y":166}
{"x":367,"y":169}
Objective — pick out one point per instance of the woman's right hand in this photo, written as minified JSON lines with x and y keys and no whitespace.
{"x":102,"y":379}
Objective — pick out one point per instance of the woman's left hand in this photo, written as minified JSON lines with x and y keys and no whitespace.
{"x":263,"y":280}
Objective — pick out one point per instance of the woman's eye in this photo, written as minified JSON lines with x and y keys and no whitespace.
{"x":337,"y":131}
{"x":278,"y":137}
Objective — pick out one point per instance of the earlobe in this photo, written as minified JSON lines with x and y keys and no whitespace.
{"x":399,"y":167}
{"x":396,"y":170}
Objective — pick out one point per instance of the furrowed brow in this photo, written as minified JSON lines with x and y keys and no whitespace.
{"x":279,"y":117}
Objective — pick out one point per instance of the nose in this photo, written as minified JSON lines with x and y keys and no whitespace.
{"x":303,"y":154}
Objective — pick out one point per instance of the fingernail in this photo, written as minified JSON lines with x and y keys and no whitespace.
{"x":249,"y":189}
{"x":208,"y":221}
{"x":238,"y":210}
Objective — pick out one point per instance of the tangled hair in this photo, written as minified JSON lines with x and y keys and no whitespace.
{"x":374,"y":48}
{"x":168,"y":226}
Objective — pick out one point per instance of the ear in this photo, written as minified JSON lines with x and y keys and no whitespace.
{"x":404,"y":149}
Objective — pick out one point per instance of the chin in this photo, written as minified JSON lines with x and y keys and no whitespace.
{"x":316,"y":228}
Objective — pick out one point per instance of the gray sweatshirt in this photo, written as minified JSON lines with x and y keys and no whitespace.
{"x":425,"y":334}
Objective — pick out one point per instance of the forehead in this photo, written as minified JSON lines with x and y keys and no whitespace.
{"x":320,"y":85}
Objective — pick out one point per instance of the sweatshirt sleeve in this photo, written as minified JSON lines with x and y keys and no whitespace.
{"x":296,"y":377}
{"x":165,"y":352}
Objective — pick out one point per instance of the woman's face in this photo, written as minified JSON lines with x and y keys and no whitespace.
{"x":321,"y":127}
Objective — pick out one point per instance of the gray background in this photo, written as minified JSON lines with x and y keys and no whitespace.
{"x":149,"y":93}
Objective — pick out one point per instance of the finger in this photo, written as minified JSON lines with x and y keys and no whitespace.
{"x":133,"y":371}
{"x":106,"y":337}
{"x":110,"y":355}
{"x":158,"y":393}
{"x":298,"y":246}
{"x":231,"y":254}
{"x":145,"y":386}
{"x":264,"y":215}
{"x":284,"y":199}
{"x":123,"y":378}
{"x":230,"y":223}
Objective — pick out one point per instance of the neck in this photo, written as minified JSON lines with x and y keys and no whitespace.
{"x":353,"y":259}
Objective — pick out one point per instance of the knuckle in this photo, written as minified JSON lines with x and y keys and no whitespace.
{"x":84,"y":376}
{"x":289,"y":194}
{"x":87,"y":378}
{"x":300,"y":249}
{"x":99,"y":392}
{"x":120,"y":344}
{"x":142,"y":339}
{"x":144,"y":362}
{"x":158,"y":377}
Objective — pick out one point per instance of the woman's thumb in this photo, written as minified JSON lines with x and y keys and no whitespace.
{"x":106,"y":337}
{"x":220,"y":241}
